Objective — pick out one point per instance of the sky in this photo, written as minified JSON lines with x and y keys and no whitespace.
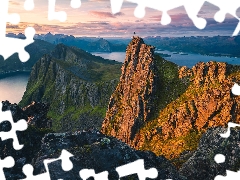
{"x":94,"y":19}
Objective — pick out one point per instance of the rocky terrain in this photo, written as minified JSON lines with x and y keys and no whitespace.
{"x":91,"y":150}
{"x":168,"y":112}
{"x":76,"y":85}
{"x":94,"y":150}
{"x":165,"y":114}
{"x":201,"y":164}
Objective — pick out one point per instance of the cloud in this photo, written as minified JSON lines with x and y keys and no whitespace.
{"x":100,"y":14}
{"x":181,"y":25}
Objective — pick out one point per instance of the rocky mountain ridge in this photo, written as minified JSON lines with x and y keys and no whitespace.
{"x":76,"y":84}
{"x":162,"y":111}
{"x":188,"y":102}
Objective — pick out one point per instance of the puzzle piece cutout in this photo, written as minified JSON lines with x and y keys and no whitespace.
{"x":226,"y":7}
{"x":29,"y":5}
{"x":21,"y":125}
{"x":230,"y":176}
{"x":66,"y":166}
{"x":137,"y":167}
{"x":61,"y":15}
{"x":220,"y":158}
{"x":164,"y":6}
{"x":52,"y":14}
{"x":8,"y":45}
{"x":230,"y":125}
{"x":8,"y":162}
{"x":87,"y":173}
{"x":236,"y":89}
{"x":192,"y":10}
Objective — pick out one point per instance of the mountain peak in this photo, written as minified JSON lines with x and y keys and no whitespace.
{"x":161,"y":107}
{"x":132,"y":102}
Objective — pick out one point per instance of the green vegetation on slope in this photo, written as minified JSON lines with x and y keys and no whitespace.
{"x":169,"y":135}
{"x":77,"y":85}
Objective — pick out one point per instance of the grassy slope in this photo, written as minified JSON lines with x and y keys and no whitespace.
{"x":98,"y":72}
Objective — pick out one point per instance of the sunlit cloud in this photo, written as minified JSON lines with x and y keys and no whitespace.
{"x":99,"y":14}
{"x":94,"y":18}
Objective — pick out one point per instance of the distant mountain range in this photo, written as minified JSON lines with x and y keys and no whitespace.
{"x":14,"y":65}
{"x":86,"y":43}
{"x":44,"y":44}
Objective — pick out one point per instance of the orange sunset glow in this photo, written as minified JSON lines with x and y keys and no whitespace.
{"x":94,"y":18}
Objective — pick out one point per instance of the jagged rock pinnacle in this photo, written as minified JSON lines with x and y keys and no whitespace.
{"x":132,"y":102}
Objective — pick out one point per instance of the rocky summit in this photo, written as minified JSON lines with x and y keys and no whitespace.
{"x":133,"y":100}
{"x":164,"y":108}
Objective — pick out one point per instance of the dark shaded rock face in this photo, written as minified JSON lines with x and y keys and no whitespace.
{"x":201,"y":164}
{"x":35,"y":113}
{"x":132,"y":103}
{"x":31,"y":138}
{"x":93,"y":150}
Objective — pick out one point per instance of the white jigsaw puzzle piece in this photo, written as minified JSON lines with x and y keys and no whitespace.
{"x":76,"y":4}
{"x":61,"y":15}
{"x":66,"y":166}
{"x":53,"y":15}
{"x":164,"y":6}
{"x":231,"y":175}
{"x":8,"y":162}
{"x":220,"y":158}
{"x":28,"y":171}
{"x":230,"y":125}
{"x":29,"y":5}
{"x":21,"y":125}
{"x":137,"y":167}
{"x":9,"y":46}
{"x":227,"y":7}
{"x":191,"y":9}
{"x":236,"y":89}
{"x":87,"y":173}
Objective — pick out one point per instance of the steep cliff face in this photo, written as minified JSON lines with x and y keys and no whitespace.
{"x":76,"y":84}
{"x":133,"y":99}
{"x":141,"y":92}
{"x":207,"y":102}
{"x":184,"y":108}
